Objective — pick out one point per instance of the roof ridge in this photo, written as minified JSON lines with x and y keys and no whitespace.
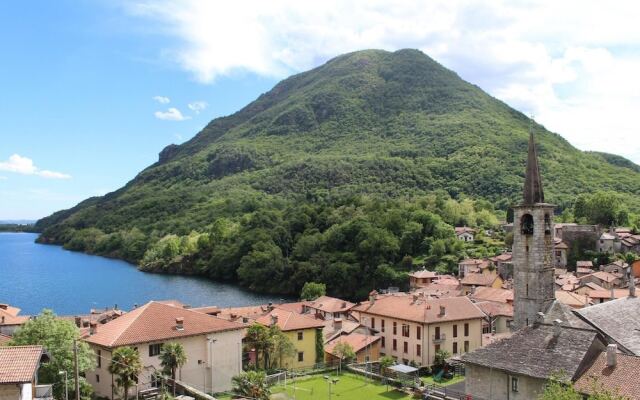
{"x":139,"y":311}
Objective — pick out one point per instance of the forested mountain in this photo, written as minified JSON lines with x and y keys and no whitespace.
{"x":335,"y":175}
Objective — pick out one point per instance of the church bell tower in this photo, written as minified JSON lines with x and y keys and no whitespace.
{"x":533,"y":234}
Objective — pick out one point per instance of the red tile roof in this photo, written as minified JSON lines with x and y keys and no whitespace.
{"x":621,"y":379}
{"x":18,"y":364}
{"x":423,"y":274}
{"x":421,"y":310}
{"x":477,"y":279}
{"x":357,"y":341}
{"x":157,"y":321}
{"x":9,"y":315}
{"x":493,"y":308}
{"x":4,"y":339}
{"x":289,"y":321}
{"x":492,"y":294}
{"x":330,"y":304}
{"x":584,"y":264}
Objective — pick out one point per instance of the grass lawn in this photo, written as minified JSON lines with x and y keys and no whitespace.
{"x":349,"y":386}
{"x":428,"y":380}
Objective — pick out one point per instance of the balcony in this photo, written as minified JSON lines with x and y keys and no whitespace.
{"x":43,"y":392}
{"x":438,"y":338}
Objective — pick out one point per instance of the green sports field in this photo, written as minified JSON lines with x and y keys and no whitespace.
{"x":349,"y":386}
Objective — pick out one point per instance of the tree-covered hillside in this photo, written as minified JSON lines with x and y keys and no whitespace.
{"x":347,"y":143}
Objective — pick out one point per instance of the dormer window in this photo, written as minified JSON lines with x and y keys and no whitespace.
{"x":526,"y":224}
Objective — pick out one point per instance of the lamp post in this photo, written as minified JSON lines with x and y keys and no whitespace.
{"x":66,"y":388}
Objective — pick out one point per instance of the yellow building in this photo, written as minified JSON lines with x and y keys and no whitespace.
{"x":302,"y":331}
{"x":413,"y":327}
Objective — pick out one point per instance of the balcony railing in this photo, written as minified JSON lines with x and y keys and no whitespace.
{"x":439,"y":338}
{"x":44,"y":392}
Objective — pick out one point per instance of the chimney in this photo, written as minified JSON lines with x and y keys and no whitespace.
{"x":373,"y":296}
{"x":344,"y":304}
{"x":270,"y":306}
{"x":179,"y":323}
{"x":613,"y":294}
{"x":4,"y":306}
{"x":2,"y":320}
{"x":632,"y":288}
{"x":557,"y":327}
{"x":442,"y":311}
{"x":93,"y":328}
{"x":415,"y":298}
{"x":78,"y":321}
{"x":274,"y":319}
{"x":612,"y":351}
{"x":337,"y":323}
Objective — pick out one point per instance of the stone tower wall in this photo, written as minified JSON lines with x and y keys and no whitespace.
{"x":534,"y":289}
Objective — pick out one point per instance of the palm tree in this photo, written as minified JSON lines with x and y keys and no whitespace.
{"x":252,"y":384}
{"x":125,"y":363}
{"x":172,"y":357}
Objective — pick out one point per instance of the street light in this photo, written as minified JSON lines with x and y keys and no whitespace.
{"x":66,"y":389}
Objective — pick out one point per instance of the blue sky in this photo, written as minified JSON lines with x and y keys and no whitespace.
{"x":78,"y":79}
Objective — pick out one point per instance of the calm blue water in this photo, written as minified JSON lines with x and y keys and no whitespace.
{"x":35,"y":276}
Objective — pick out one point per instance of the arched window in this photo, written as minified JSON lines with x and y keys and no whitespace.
{"x":526,"y":224}
{"x":547,"y":224}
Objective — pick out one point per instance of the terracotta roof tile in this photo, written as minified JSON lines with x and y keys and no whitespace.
{"x":479,"y":279}
{"x":423,"y":274}
{"x":357,"y":341}
{"x":289,"y":321}
{"x":584,"y":264}
{"x":421,"y":310}
{"x":9,"y":315}
{"x":4,"y":339}
{"x":157,"y":321}
{"x":330,"y":304}
{"x":493,"y":308}
{"x":485,"y":293}
{"x":621,"y":379}
{"x":18,"y":364}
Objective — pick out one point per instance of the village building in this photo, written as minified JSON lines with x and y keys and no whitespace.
{"x":601,"y":278}
{"x":608,"y":243}
{"x":19,"y":373}
{"x":618,"y":268}
{"x":302,"y":331}
{"x":439,"y":290}
{"x":498,"y":295}
{"x":613,"y":372}
{"x":413,"y":327}
{"x":471,"y":265}
{"x":560,"y":250}
{"x":498,"y":317}
{"x":518,"y":367}
{"x":604,"y":295}
{"x":573,"y":300}
{"x":213,"y":347}
{"x":10,"y":320}
{"x":474,"y":280}
{"x":365,"y":347}
{"x":618,"y":321}
{"x":421,"y":278}
{"x":465,"y":234}
{"x":326,"y":308}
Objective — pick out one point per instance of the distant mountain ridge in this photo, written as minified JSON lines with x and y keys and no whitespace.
{"x":388,"y":124}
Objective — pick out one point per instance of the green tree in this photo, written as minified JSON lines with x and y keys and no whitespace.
{"x":313,"y":290}
{"x":280,"y":347}
{"x":126,"y":365}
{"x":385,"y":363}
{"x":441,"y":357}
{"x":172,"y":357}
{"x":57,"y":337}
{"x":251,"y":384}
{"x":560,"y":388}
{"x":258,"y":339}
{"x":344,"y":352}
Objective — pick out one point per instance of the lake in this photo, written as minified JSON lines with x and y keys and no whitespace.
{"x":36,"y":276}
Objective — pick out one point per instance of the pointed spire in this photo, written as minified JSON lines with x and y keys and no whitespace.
{"x":533,"y":192}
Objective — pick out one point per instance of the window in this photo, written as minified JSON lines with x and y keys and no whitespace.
{"x":514,"y":384}
{"x":395,"y":328}
{"x":154,"y":349}
{"x":97,"y":378}
{"x":395,"y":344}
{"x":418,"y":350}
{"x":437,"y":348}
{"x":405,"y":330}
{"x":373,"y":323}
{"x":455,"y":331}
{"x":466,"y":346}
{"x":455,"y":347}
{"x":526,"y":224}
{"x":437,"y":334}
{"x":300,"y":335}
{"x":382,"y":343}
{"x":418,"y":333}
{"x":466,"y":329}
{"x":300,"y":356}
{"x":406,"y":347}
{"x":547,"y":224}
{"x":99,"y":357}
{"x":382,"y":325}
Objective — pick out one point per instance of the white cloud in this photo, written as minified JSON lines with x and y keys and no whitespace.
{"x":172,"y":114}
{"x":198,"y":106}
{"x":25,"y":166}
{"x":3,"y":178}
{"x":571,"y":63}
{"x":162,"y":99}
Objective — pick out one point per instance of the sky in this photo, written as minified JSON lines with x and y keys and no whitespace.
{"x":92,"y":90}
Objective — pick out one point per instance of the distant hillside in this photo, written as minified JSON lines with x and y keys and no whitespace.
{"x":617,"y":160}
{"x":374,"y":124}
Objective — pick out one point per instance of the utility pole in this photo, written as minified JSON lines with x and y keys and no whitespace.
{"x":75,"y":369}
